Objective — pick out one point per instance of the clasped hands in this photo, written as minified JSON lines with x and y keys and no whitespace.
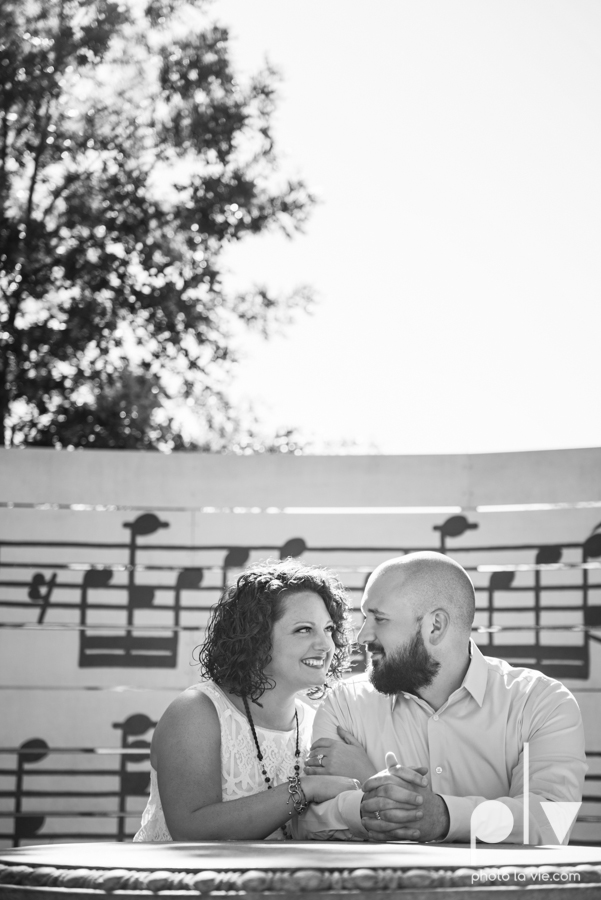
{"x":398,"y":805}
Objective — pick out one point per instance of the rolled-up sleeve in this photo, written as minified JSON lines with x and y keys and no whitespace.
{"x":335,"y":820}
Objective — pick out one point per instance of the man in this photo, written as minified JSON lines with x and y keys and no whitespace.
{"x":456,"y":721}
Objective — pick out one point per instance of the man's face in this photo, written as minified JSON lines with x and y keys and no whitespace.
{"x":400,"y":660}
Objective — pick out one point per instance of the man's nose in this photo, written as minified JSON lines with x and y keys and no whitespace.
{"x":366,"y":634}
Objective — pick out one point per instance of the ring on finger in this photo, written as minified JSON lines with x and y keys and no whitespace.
{"x":377,"y":815}
{"x":320,"y":759}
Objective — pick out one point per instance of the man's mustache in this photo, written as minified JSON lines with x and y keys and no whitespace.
{"x":374,"y":648}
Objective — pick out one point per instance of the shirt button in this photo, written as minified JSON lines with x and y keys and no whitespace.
{"x":438,"y":770}
{"x":435,"y":718}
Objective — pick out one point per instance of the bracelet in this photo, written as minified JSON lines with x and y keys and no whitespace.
{"x":297,"y":795}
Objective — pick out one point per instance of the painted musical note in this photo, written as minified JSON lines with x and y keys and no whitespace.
{"x":453,"y":527}
{"x":235,"y":558}
{"x":91,"y":647}
{"x":498,"y":581}
{"x":132,"y":784}
{"x":139,"y":596}
{"x":555,"y":660}
{"x":545,"y":556}
{"x":294,"y":547}
{"x":27,"y":826}
{"x":36,"y":594}
{"x":187,"y":580}
{"x":591,"y":549}
{"x":130,"y":649}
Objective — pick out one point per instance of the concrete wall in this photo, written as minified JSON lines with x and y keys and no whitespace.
{"x":110,"y":560}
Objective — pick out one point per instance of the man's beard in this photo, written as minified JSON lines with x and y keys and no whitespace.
{"x":407,"y":669}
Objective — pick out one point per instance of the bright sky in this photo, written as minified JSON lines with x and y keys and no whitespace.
{"x":456,"y":252}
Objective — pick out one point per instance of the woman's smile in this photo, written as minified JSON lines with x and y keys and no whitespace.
{"x":314,"y":662}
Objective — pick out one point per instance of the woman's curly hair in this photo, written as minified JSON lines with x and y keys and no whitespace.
{"x":237,"y":645}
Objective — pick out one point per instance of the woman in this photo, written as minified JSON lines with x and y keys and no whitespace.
{"x":241,"y":736}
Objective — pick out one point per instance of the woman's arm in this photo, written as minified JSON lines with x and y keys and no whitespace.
{"x":187,"y":752}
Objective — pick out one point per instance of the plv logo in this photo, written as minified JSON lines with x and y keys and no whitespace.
{"x":492,"y":821}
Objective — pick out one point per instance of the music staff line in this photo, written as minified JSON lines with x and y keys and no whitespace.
{"x":124,"y":795}
{"x":212,"y":589}
{"x":102,"y":751}
{"x":61,"y":794}
{"x":140,"y":646}
{"x":48,"y":814}
{"x":279,"y":548}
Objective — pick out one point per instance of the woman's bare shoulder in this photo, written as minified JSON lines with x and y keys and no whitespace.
{"x":190,"y":717}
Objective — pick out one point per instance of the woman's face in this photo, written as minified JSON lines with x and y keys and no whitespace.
{"x":302,"y":643}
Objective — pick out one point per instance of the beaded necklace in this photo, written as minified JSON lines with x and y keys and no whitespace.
{"x":260,"y":755}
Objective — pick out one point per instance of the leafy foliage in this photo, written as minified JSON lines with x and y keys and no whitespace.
{"x":130,"y":156}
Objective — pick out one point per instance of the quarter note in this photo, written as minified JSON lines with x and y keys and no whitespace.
{"x":235,"y":558}
{"x":295,"y":547}
{"x":27,"y":826}
{"x":139,"y":596}
{"x":132,"y":784}
{"x":143,"y":651}
{"x":187,"y":580}
{"x":556,"y":660}
{"x":453,"y":527}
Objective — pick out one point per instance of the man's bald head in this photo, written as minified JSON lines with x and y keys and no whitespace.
{"x":430,"y":581}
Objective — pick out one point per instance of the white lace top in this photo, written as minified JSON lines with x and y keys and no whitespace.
{"x":240,"y":772}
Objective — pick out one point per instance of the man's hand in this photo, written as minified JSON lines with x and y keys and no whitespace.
{"x":344,"y":757}
{"x":398,"y":805}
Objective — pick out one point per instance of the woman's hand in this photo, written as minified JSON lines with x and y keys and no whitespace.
{"x":343,"y":757}
{"x":326,"y":787}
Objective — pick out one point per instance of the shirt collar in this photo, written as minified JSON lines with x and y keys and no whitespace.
{"x":474,"y":681}
{"x":476,"y":675}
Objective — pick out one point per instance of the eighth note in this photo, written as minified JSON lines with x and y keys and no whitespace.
{"x":34,"y":593}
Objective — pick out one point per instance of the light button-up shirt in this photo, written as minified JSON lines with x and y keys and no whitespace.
{"x":473,"y":747}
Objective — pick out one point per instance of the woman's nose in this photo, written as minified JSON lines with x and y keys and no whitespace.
{"x":324,"y":641}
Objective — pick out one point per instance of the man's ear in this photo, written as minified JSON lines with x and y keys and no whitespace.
{"x":438,"y":626}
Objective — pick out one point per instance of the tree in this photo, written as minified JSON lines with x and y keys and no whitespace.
{"x":130,"y":156}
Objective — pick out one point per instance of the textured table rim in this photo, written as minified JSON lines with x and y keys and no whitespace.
{"x":25,"y":882}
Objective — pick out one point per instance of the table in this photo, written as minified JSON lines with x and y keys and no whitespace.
{"x":272,"y":870}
